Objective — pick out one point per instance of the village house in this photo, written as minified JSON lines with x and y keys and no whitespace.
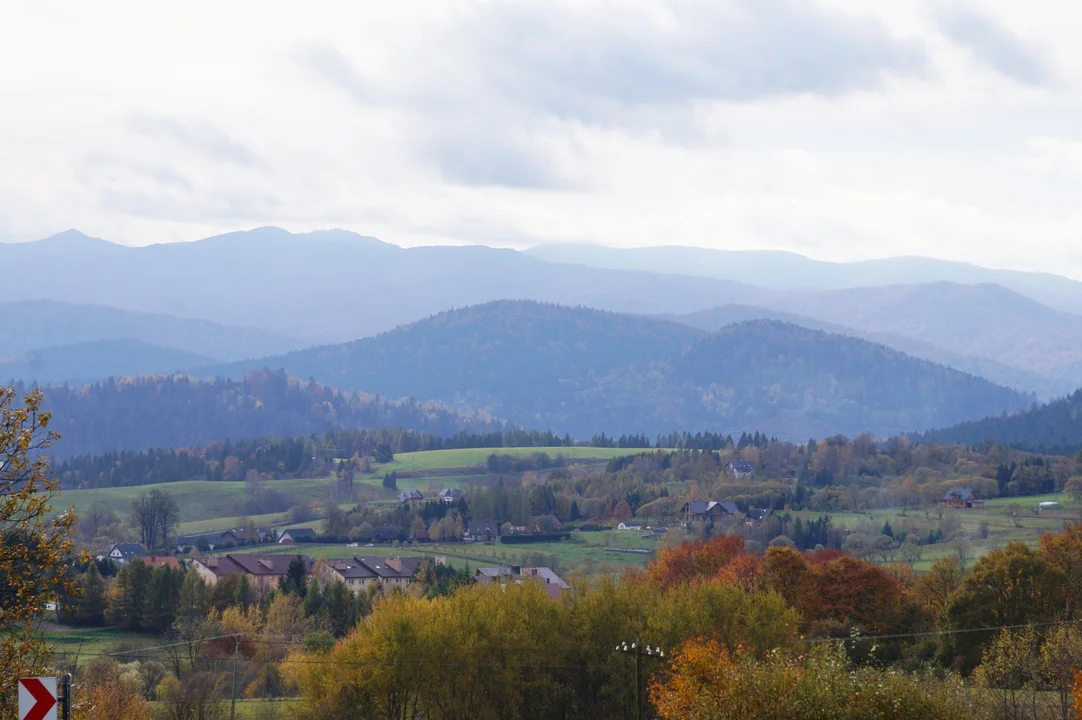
{"x":554,"y":586}
{"x":482,"y":531}
{"x":740,"y":468}
{"x":297,"y":535}
{"x":707,"y":510}
{"x":629,"y":526}
{"x":122,"y":553}
{"x":209,"y":541}
{"x":450,"y":495}
{"x":357,"y":573}
{"x":163,"y":561}
{"x":263,"y":571}
{"x":410,"y":497}
{"x":757,"y":516}
{"x":962,"y":498}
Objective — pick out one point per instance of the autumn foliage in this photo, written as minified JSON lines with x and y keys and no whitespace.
{"x":711,"y":682}
{"x":34,"y":548}
{"x":826,"y":586}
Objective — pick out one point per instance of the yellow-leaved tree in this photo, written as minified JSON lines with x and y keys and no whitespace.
{"x":34,"y":547}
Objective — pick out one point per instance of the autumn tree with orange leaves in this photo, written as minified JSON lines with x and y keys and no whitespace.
{"x":34,"y":547}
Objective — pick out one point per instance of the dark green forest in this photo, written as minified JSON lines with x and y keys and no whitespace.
{"x":178,"y":411}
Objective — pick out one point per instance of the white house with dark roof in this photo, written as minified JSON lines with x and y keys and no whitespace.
{"x":122,"y":553}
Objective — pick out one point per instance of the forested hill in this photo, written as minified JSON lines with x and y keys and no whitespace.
{"x":585,"y":371}
{"x":515,"y":358}
{"x":799,"y":382}
{"x":178,"y":411}
{"x":1055,"y":428}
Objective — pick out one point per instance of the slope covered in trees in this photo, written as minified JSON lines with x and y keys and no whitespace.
{"x":1055,"y":427}
{"x":583,"y":371}
{"x":1044,"y":386}
{"x":178,"y":411}
{"x":95,"y":360}
{"x":34,"y":324}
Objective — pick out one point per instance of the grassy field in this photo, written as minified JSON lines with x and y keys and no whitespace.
{"x":89,"y":642}
{"x":569,"y":553}
{"x":198,"y":499}
{"x":997,"y":519}
{"x":206,"y":506}
{"x":438,"y":466}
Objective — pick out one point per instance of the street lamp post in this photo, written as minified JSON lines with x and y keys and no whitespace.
{"x":640,"y":651}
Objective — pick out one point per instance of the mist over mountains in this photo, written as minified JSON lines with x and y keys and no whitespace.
{"x":569,"y":338}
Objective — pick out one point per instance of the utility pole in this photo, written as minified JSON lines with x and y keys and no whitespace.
{"x":67,"y":700}
{"x":640,"y":651}
{"x":236,"y":655}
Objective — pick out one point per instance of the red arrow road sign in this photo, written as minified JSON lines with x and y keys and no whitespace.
{"x":37,"y":698}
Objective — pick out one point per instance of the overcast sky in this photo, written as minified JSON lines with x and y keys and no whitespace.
{"x":840,"y":129}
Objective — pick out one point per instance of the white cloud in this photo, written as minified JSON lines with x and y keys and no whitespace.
{"x":839,"y":128}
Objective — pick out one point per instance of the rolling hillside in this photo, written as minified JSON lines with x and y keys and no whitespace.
{"x":89,"y":361}
{"x":1044,"y":386}
{"x":34,"y":325}
{"x":584,"y":371}
{"x":178,"y":412}
{"x":517,"y":359}
{"x":1055,"y":427}
{"x":984,"y":321}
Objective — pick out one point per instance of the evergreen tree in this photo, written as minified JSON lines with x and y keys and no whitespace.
{"x":90,"y":606}
{"x":127,"y":597}
{"x":339,"y":608}
{"x":296,"y":578}
{"x":244,"y":596}
{"x":313,"y":600}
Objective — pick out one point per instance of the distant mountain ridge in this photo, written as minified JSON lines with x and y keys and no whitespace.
{"x":90,"y":361}
{"x":327,"y":286}
{"x":781,"y":270}
{"x":1044,"y":386}
{"x":31,"y":325}
{"x":582,"y":371}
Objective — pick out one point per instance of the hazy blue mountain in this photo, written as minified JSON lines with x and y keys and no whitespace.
{"x":89,"y":361}
{"x":583,"y":371}
{"x":1055,"y":427}
{"x":328,"y":286}
{"x":1045,"y":387}
{"x":785,"y":270}
{"x":36,"y":324}
{"x":518,"y":359}
{"x":983,"y":321}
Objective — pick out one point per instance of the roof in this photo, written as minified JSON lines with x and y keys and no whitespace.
{"x":483,"y":527}
{"x":759,"y":513}
{"x":212,"y":538}
{"x":389,"y":568}
{"x":451,"y":493}
{"x":160,"y":560}
{"x":266,"y":565}
{"x":959,"y":494}
{"x":410,"y":494}
{"x":422,"y":535}
{"x":702,"y":507}
{"x":301,"y":533}
{"x":744,"y":466}
{"x":129,"y":550}
{"x":515,"y":573}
